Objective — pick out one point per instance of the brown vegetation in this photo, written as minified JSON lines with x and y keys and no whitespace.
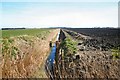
{"x":31,"y":55}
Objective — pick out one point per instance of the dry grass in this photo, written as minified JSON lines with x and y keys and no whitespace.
{"x":29,"y":59}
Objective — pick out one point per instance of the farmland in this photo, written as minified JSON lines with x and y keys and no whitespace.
{"x":108,"y":35}
{"x":83,"y":54}
{"x":25,"y":51}
{"x":31,"y":32}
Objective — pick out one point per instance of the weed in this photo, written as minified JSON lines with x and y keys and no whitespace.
{"x":115,"y":53}
{"x":69,"y":46}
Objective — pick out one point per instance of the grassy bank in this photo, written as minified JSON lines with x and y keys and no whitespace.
{"x":69,"y":45}
{"x":23,"y":51}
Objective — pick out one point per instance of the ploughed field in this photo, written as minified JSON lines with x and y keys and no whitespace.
{"x":109,"y":36}
{"x":87,"y":53}
{"x":24,"y":52}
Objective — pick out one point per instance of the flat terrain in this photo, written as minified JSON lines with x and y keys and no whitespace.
{"x":82,"y":53}
{"x":107,"y":35}
{"x":18,"y":32}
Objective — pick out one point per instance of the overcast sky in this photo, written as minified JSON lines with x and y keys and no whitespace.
{"x":101,"y":13}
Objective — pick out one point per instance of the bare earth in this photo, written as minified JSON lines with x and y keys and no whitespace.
{"x":92,"y":62}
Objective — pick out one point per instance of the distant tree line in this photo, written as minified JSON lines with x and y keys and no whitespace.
{"x":12,"y":28}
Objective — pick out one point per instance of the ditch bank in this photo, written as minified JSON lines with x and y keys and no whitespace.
{"x":85,"y":62}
